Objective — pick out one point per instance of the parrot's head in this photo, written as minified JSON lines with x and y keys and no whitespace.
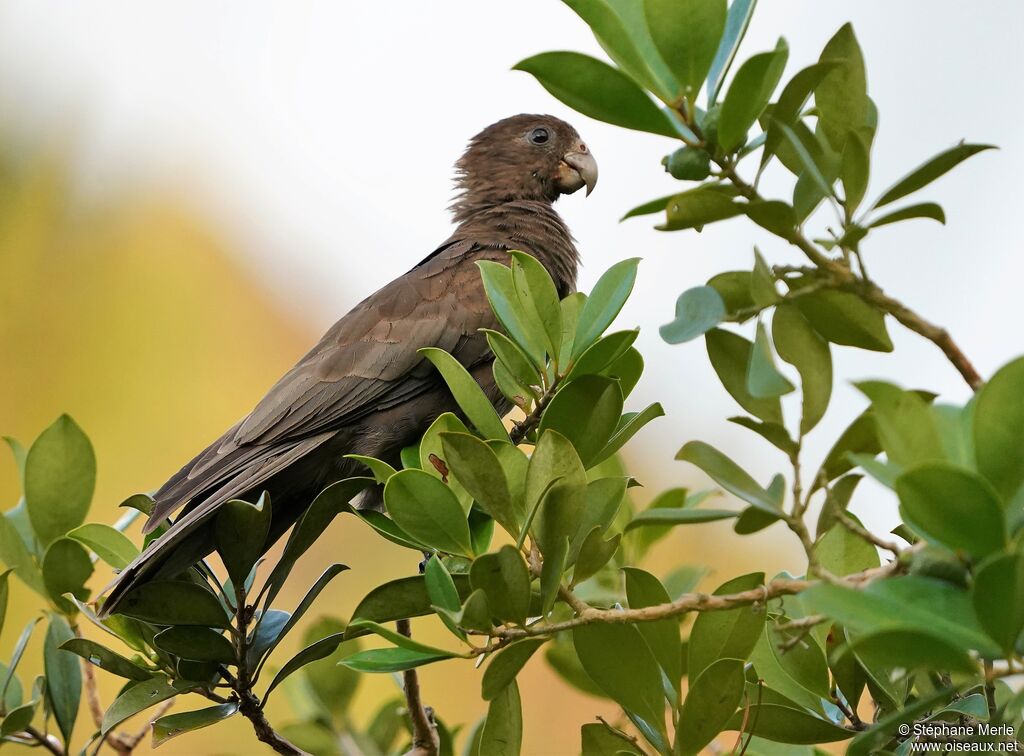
{"x":525,"y":157}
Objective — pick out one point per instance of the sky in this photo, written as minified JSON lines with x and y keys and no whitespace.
{"x":320,"y":138}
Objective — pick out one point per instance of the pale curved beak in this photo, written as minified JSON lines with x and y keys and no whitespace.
{"x":578,"y":169}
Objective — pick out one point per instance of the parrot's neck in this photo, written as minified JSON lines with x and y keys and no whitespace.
{"x":532,"y":226}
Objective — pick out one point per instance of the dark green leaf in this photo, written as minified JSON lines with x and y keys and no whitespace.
{"x":855,"y":170}
{"x":628,"y":426}
{"x":784,"y":724}
{"x":923,"y":210}
{"x":792,"y":100}
{"x":710,"y":702}
{"x":136,"y":698}
{"x":604,"y":352}
{"x":556,"y":559}
{"x":687,"y":34}
{"x":502,"y":733}
{"x":730,"y":354}
{"x":109,"y":544}
{"x":168,"y":727}
{"x":600,"y":740}
{"x":729,"y":634}
{"x":871,"y":741}
{"x":513,"y":358}
{"x":63,"y":675}
{"x":811,"y":169}
{"x":911,"y":650}
{"x":593,"y":554}
{"x":467,"y":392}
{"x":773,"y":433}
{"x":998,"y":430}
{"x":648,"y":208}
{"x":602,"y":306}
{"x":476,"y":466}
{"x":736,"y":23}
{"x":106,"y":659}
{"x":630,"y":675}
{"x":844,"y":318}
{"x":504,"y":579}
{"x":394,"y":659}
{"x":930,"y":170}
{"x":662,"y":517}
{"x":748,"y":95}
{"x":597,"y":90}
{"x":196,"y":643}
{"x":66,"y":568}
{"x":764,"y":381}
{"x":173,"y":602}
{"x":319,"y":649}
{"x":60,"y":475}
{"x":799,"y":345}
{"x":953,"y":507}
{"x":402,"y":598}
{"x":728,"y":475}
{"x":698,"y":310}
{"x":506,"y":664}
{"x":240,"y":532}
{"x":559,"y":503}
{"x":998,"y":586}
{"x":642,"y":590}
{"x":841,"y":97}
{"x":427,"y":510}
{"x":697,"y":208}
{"x":860,"y":437}
{"x":586,"y":412}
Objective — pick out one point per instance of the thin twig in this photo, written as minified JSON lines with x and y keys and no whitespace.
{"x":425,"y":740}
{"x":48,"y":742}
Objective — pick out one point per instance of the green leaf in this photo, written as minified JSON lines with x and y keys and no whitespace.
{"x":170,"y":726}
{"x":953,"y":507}
{"x":923,"y":210}
{"x":196,"y":643}
{"x":11,"y":684}
{"x":791,"y":102}
{"x":764,"y":381}
{"x":598,"y":90}
{"x":502,"y":733}
{"x":18,"y":719}
{"x":426,"y":509}
{"x":332,"y":685}
{"x":556,"y":559}
{"x":784,"y":724}
{"x":513,"y":358}
{"x":842,"y":553}
{"x":602,"y":354}
{"x":315,"y":651}
{"x":730,"y":354}
{"x":556,"y":487}
{"x":402,"y":598}
{"x":66,"y":568}
{"x":998,"y":430}
{"x":736,"y":23}
{"x":811,"y":169}
{"x":391,"y":659}
{"x":662,"y":517}
{"x":930,"y":170}
{"x":875,"y":738}
{"x":63,"y":676}
{"x":476,"y":466}
{"x":698,"y":310}
{"x":698,"y":207}
{"x":711,"y":700}
{"x":600,"y":740}
{"x":104,"y":658}
{"x":648,"y":208}
{"x":109,"y":544}
{"x":728,"y":475}
{"x":662,"y":636}
{"x":762,"y":281}
{"x":626,"y":370}
{"x":173,"y":602}
{"x":775,"y":216}
{"x":629,"y":425}
{"x":467,"y":392}
{"x":748,"y":95}
{"x":381,"y":470}
{"x":911,"y":650}
{"x":5,"y":590}
{"x":442,"y":592}
{"x":586,"y":412}
{"x":506,"y":665}
{"x":842,"y":97}
{"x":240,"y":532}
{"x":910,"y":602}
{"x":904,"y":424}
{"x":505,"y":580}
{"x":855,"y":171}
{"x":60,"y":475}
{"x":504,"y":301}
{"x":799,"y":345}
{"x":687,"y":34}
{"x":846,"y":319}
{"x":15,"y":555}
{"x":606,"y":299}
{"x":998,"y":586}
{"x":593,"y":554}
{"x":537,"y":295}
{"x":136,"y":698}
{"x":729,"y":634}
{"x":773,"y":433}
{"x":630,"y":675}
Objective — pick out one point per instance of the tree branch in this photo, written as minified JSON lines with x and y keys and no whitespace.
{"x":425,"y":740}
{"x":48,"y":742}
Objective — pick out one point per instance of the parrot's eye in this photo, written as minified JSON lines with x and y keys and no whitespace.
{"x":539,"y":136}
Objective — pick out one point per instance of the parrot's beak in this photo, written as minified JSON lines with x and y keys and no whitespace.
{"x":577,"y":169}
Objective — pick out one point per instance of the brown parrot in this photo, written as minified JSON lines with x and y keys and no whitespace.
{"x":364,"y":388}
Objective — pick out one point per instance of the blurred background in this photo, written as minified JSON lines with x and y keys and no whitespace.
{"x":191,"y":192}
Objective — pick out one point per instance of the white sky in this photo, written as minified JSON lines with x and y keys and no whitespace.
{"x":321,"y":137}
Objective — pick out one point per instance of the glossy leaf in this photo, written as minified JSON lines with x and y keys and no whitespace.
{"x":467,"y":392}
{"x":791,"y":102}
{"x":597,"y":90}
{"x":173,"y":602}
{"x":196,"y":643}
{"x":697,"y":208}
{"x":381,"y":470}
{"x":60,"y":475}
{"x":663,"y":517}
{"x":502,"y":733}
{"x":642,"y":590}
{"x":748,"y":95}
{"x":394,"y":659}
{"x":427,"y":510}
{"x":109,"y":544}
{"x":586,"y":412}
{"x":172,"y":725}
{"x":843,"y":553}
{"x":505,"y":580}
{"x":602,"y":306}
{"x":954,"y":507}
{"x":785,"y":724}
{"x":506,"y":665}
{"x":538,"y":296}
{"x":799,"y":345}
{"x":648,"y":208}
{"x":930,"y":170}
{"x":315,"y":651}
{"x":555,"y":489}
{"x":66,"y":568}
{"x":136,"y":698}
{"x":594,"y":553}
{"x":999,"y":430}
{"x":603,"y":353}
{"x":998,"y":586}
{"x":855,"y":170}
{"x":402,"y":598}
{"x":728,"y":475}
{"x":736,"y":23}
{"x":106,"y":659}
{"x":63,"y":676}
{"x":923,"y":210}
{"x":711,"y":700}
{"x":730,"y":354}
{"x":729,"y":634}
{"x":687,"y":34}
{"x":501,"y":295}
{"x":240,"y":530}
{"x":698,"y":310}
{"x":844,"y":318}
{"x":629,"y":425}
